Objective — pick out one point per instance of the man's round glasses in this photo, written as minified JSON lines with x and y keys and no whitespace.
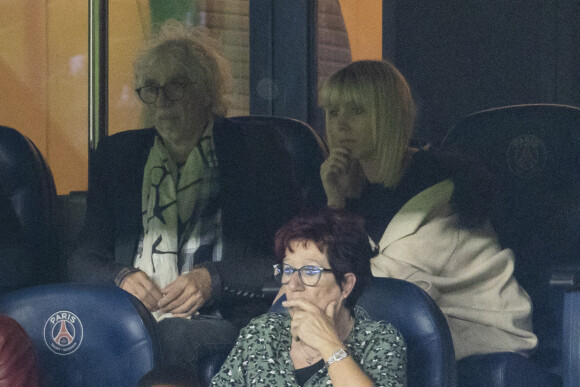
{"x":174,"y":91}
{"x":309,"y":275}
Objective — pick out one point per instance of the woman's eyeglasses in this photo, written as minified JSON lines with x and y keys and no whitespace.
{"x":174,"y":91}
{"x":309,"y":275}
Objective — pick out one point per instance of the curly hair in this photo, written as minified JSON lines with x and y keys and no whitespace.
{"x":340,"y":235}
{"x":195,"y":52}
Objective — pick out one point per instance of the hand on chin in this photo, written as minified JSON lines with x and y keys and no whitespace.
{"x":294,"y":309}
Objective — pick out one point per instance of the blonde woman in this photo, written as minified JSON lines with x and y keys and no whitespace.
{"x":426,"y":212}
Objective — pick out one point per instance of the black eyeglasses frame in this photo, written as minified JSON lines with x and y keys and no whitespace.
{"x":281,"y":267}
{"x":157,"y":88}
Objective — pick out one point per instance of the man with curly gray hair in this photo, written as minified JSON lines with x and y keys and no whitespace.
{"x":182,"y":214}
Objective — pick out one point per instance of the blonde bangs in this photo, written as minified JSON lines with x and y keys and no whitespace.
{"x":344,"y":87}
{"x":382,"y":90}
{"x":335,"y":92}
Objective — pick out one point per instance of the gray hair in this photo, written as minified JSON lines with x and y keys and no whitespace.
{"x":199,"y":56}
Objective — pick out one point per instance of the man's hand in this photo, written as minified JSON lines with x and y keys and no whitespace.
{"x":141,"y":286}
{"x":188,"y":293}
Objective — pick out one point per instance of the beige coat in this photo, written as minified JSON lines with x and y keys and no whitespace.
{"x":464,"y":270}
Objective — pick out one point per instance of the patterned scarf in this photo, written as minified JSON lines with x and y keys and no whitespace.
{"x":181,"y":217}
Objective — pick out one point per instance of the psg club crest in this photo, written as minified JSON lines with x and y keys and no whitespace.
{"x":63,"y":333}
{"x":526,"y":156}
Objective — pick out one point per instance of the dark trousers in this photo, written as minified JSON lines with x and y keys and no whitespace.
{"x":186,"y":342}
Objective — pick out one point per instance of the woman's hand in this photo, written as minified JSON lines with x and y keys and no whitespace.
{"x":314,"y":327}
{"x":141,"y":286}
{"x":339,"y":175}
{"x":188,"y":293}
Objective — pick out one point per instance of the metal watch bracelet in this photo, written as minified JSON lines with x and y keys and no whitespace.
{"x":337,"y":356}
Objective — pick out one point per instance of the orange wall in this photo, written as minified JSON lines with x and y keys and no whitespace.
{"x":128,"y":24}
{"x":363,"y":19}
{"x":67,"y":93}
{"x":44,"y":77}
{"x":22,"y":68}
{"x":44,"y":72}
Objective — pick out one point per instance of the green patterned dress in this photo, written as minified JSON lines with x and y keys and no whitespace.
{"x":261,"y":356}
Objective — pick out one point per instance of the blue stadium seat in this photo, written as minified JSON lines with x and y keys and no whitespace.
{"x":27,"y":183}
{"x":304,"y":150}
{"x":533,"y":151}
{"x":430,"y":354}
{"x":300,"y":146}
{"x":86,"y":335}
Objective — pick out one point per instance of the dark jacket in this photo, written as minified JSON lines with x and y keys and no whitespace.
{"x":473,"y":195}
{"x":257,"y":195}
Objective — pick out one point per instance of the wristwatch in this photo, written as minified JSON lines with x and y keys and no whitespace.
{"x":337,"y":356}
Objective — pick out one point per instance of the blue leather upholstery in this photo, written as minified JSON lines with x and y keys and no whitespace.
{"x":17,"y":263}
{"x":571,"y":339}
{"x":27,"y":181}
{"x":503,"y":369}
{"x":211,"y":366}
{"x":86,"y":335}
{"x":430,"y":354}
{"x":534,"y":153}
{"x":300,"y":146}
{"x":304,"y":150}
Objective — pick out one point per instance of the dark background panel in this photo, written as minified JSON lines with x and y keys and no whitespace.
{"x":465,"y":56}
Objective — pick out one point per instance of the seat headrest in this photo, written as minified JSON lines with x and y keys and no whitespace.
{"x":86,"y":335}
{"x":27,"y":181}
{"x":430,"y":352}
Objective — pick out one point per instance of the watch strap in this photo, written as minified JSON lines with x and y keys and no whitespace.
{"x":337,"y":356}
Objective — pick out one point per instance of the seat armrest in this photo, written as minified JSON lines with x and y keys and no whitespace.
{"x":210,"y":365}
{"x":571,"y":339}
{"x":503,"y":369}
{"x":270,"y":290}
{"x":567,"y":277}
